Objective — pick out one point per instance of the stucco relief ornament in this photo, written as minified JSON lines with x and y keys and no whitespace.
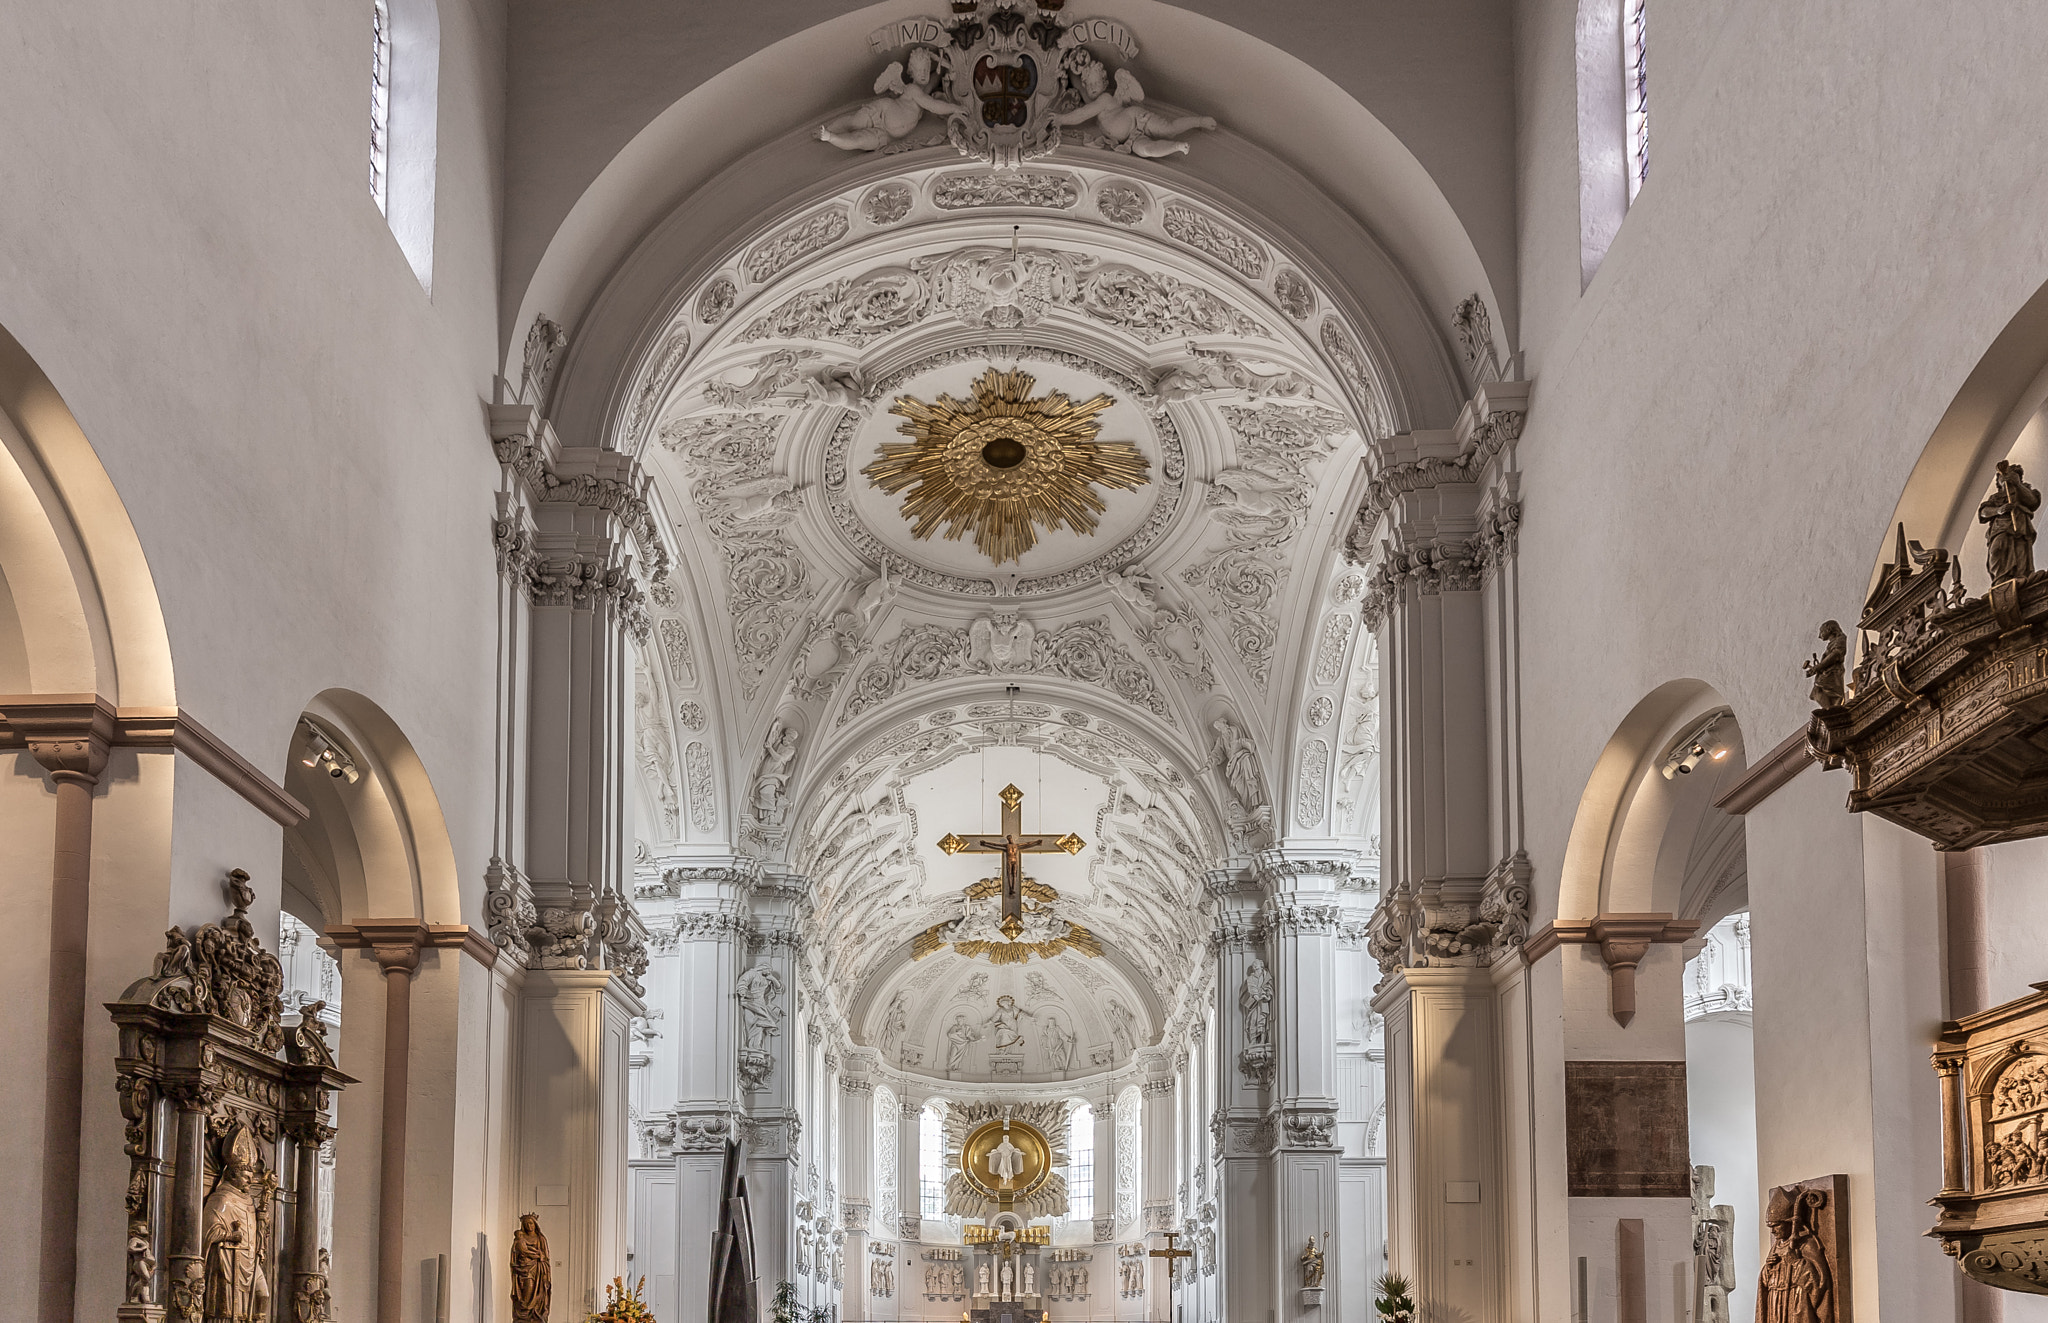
{"x":1002,"y":82}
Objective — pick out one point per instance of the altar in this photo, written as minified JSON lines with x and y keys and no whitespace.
{"x":1008,"y":1313}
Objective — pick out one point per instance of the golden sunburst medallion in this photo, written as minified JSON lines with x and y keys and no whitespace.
{"x":1004,"y":464}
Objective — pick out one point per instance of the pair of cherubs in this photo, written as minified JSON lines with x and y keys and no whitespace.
{"x":908,"y":89}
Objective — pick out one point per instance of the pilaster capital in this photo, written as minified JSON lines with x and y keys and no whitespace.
{"x":69,"y":735}
{"x":1303,"y":871}
{"x":395,"y":944}
{"x":1303,"y":917}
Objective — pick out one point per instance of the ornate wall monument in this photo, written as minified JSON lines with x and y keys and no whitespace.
{"x":226,"y":1109}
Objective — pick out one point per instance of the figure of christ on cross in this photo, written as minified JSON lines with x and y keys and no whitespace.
{"x":1012,"y":844}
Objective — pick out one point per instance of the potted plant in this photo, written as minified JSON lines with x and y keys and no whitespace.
{"x":786,"y":1308}
{"x":1395,"y":1304}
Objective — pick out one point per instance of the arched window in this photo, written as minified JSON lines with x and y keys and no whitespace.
{"x":931,"y":1160}
{"x":885,"y":1162}
{"x":1636,"y":92}
{"x":1080,"y":1162}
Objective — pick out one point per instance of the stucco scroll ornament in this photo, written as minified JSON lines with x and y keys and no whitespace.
{"x":221,"y":969}
{"x":1173,"y":635}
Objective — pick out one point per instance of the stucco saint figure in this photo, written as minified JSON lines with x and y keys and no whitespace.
{"x":1006,"y":1021}
{"x":1255,"y":999}
{"x":776,"y":763}
{"x":533,"y":1273}
{"x":1826,"y":666}
{"x":758,"y":990}
{"x":1006,"y":1162}
{"x":904,"y":94}
{"x":1123,"y":1026}
{"x":1115,"y":109}
{"x":1059,"y":1044}
{"x":237,"y":1290}
{"x":1030,"y":1278}
{"x":958,"y":1035}
{"x":1794,"y":1285}
{"x":1008,"y":1274}
{"x":2008,"y":516}
{"x":1234,"y":753}
{"x":894,"y":1024}
{"x":1311,"y":1264}
{"x":981,"y":1278}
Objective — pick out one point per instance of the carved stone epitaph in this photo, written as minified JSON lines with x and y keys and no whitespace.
{"x":1805,"y":1274}
{"x":226,"y":1112}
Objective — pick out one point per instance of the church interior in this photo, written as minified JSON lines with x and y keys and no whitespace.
{"x":1042,"y":661}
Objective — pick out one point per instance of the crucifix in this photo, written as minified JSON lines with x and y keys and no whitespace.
{"x":1012,"y":844}
{"x":1172,"y":1253}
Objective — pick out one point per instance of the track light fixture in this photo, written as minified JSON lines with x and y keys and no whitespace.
{"x":1699,"y":747}
{"x":323,"y":754}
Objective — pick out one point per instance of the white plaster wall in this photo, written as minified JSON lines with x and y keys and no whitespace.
{"x":1720,"y":1088}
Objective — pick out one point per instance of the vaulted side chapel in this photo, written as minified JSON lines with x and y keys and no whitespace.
{"x":1034,"y":661}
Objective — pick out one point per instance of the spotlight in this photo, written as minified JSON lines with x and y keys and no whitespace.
{"x":322,"y":754}
{"x":1702,"y":745}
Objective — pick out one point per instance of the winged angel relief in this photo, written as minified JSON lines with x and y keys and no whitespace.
{"x":1005,"y":84}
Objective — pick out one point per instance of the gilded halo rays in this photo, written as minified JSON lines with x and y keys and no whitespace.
{"x":1003,"y":464}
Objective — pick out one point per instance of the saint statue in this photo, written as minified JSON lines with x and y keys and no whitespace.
{"x":981,"y":1278}
{"x":532,"y":1272}
{"x":757,"y":990}
{"x":1311,"y":1264}
{"x":1255,"y":999}
{"x":1030,"y":1278}
{"x":2008,"y":516}
{"x":1006,"y":1162}
{"x":958,"y":1035}
{"x":1826,"y":666}
{"x":1009,"y":1280}
{"x":1794,"y":1286}
{"x":1005,"y":1021}
{"x":1059,"y":1044}
{"x":236,"y":1290}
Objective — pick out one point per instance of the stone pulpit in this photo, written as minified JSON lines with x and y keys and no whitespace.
{"x":227,"y":1108}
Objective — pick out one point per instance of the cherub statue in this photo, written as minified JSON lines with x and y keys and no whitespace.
{"x":1117,"y":113}
{"x":875,"y":598}
{"x":1826,"y":665}
{"x":905,"y":92}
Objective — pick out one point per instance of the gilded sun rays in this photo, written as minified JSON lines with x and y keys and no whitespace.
{"x":1004,"y":464}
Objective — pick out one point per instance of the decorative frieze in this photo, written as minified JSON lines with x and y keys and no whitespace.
{"x":1306,"y":1128}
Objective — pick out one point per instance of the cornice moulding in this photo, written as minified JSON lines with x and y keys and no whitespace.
{"x":26,"y":717}
{"x":1767,"y":775}
{"x":389,"y":934}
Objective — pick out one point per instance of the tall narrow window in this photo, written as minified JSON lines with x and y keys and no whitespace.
{"x":380,"y":105}
{"x":931,"y":1161}
{"x":1081,"y":1163}
{"x":1636,"y":92}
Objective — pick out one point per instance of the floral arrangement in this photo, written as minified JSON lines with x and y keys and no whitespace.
{"x":1394,"y":1305}
{"x":622,"y":1304}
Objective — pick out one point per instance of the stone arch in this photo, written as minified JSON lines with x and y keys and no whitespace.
{"x":374,"y":847}
{"x":620,"y":246}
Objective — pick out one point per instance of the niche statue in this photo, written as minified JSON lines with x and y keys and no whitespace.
{"x":532,"y":1273}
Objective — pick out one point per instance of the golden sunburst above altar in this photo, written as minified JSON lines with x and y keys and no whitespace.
{"x":1004,"y":464}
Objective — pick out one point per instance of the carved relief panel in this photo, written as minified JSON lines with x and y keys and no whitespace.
{"x":1994,"y":1103}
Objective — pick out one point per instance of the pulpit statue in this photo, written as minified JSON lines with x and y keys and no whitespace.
{"x":233,"y":1230}
{"x":1794,"y":1285}
{"x":1826,"y":666}
{"x":532,"y":1272}
{"x":2008,"y":516}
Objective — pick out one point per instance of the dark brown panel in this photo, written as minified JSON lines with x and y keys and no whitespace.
{"x":1625,"y":1129}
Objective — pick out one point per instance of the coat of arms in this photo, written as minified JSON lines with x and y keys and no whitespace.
{"x":1004,"y":83}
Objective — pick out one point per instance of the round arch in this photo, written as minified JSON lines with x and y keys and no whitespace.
{"x":375,"y":844}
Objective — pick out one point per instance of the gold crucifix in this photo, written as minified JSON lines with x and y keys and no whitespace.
{"x":1171,"y":1253}
{"x":1012,"y":844}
